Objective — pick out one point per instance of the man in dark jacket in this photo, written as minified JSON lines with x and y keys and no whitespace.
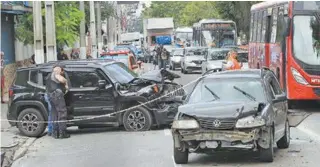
{"x":56,"y":85}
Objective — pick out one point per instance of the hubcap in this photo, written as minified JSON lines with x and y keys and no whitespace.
{"x":29,"y":123}
{"x":136,"y":120}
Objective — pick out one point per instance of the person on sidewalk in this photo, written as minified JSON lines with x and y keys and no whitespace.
{"x":57,"y":83}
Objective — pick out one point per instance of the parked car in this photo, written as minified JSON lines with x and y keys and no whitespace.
{"x":192,"y":59}
{"x":233,"y":110}
{"x":214,"y":59}
{"x":175,"y":58}
{"x":126,"y":58}
{"x":97,"y":87}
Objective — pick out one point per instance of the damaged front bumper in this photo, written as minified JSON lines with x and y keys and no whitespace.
{"x":221,"y":139}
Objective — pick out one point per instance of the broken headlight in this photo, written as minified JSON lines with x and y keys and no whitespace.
{"x":185,"y":122}
{"x":250,"y":122}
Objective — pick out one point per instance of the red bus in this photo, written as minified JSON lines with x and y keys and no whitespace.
{"x":285,"y":37}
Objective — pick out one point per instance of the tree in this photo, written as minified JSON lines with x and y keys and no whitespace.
{"x":67,"y":20}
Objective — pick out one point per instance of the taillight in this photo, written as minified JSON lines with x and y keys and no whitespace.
{"x":10,"y":93}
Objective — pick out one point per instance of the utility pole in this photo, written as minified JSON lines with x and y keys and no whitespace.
{"x":38,"y":34}
{"x":83,"y":49}
{"x":50,"y":32}
{"x":99,"y":26}
{"x":93,"y":30}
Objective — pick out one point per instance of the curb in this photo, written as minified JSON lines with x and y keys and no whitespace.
{"x":21,"y":151}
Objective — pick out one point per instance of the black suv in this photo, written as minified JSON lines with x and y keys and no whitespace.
{"x":97,"y":87}
{"x":243,"y":109}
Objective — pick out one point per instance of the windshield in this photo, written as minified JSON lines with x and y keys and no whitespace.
{"x":119,"y":72}
{"x":218,"y":55}
{"x":184,"y":36}
{"x":243,"y":57}
{"x":219,"y":34}
{"x":225,"y":90}
{"x":178,"y":53}
{"x":306,"y":39}
{"x":196,"y":52}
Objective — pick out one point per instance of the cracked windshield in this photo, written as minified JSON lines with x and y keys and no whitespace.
{"x":160,"y":83}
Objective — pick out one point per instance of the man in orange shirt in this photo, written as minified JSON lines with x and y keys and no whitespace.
{"x":232,"y":62}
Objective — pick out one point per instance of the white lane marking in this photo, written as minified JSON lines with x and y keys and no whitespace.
{"x":167,"y":132}
{"x":174,"y":163}
{"x":309,"y":132}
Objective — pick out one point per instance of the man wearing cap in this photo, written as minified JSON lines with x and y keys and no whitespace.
{"x":57,"y":83}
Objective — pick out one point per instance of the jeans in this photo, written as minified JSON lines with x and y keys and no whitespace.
{"x":46,"y":97}
{"x":162,"y":64}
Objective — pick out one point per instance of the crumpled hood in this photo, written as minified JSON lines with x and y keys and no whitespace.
{"x":192,"y":58}
{"x":218,"y":109}
{"x":159,"y":75}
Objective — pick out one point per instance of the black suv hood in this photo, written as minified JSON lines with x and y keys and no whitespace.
{"x":218,"y":109}
{"x":159,"y":75}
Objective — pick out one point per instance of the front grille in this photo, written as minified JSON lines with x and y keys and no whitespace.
{"x":209,"y":123}
{"x":197,"y":62}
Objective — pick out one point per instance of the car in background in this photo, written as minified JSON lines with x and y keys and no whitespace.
{"x":214,"y":59}
{"x":192,"y":59}
{"x":97,"y":87}
{"x":175,"y":58}
{"x":233,"y":110}
{"x":124,"y":57}
{"x":127,"y":46}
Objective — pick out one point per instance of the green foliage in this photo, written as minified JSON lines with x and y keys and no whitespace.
{"x":67,"y":20}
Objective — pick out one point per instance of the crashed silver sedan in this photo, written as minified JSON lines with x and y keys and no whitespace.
{"x":234,"y":110}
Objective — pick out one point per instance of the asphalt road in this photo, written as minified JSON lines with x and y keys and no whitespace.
{"x":117,"y":148}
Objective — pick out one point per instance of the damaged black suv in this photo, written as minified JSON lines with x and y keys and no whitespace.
{"x":243,"y":109}
{"x":97,"y":87}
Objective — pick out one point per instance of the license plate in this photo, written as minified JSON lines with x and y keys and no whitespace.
{"x":211,"y":144}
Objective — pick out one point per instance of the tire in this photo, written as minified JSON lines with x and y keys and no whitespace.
{"x":180,"y":157}
{"x":131,"y":114}
{"x":31,"y":114}
{"x":266,"y":155}
{"x":284,"y":142}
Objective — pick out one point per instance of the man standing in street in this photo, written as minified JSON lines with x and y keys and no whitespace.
{"x":56,"y":84}
{"x":164,"y":58}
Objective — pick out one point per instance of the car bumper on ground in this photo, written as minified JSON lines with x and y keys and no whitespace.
{"x":220,"y":139}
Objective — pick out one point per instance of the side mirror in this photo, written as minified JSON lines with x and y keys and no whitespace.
{"x":102,"y":84}
{"x":279,"y":98}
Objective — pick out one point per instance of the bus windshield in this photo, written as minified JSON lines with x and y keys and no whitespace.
{"x":184,"y":36}
{"x":219,"y":34}
{"x":306,"y":39}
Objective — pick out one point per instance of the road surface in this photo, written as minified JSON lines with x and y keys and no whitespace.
{"x":117,"y":148}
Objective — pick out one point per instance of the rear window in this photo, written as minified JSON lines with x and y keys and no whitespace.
{"x":21,"y":78}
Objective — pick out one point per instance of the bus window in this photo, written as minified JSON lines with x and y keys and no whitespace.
{"x":268,"y":26}
{"x":281,"y":25}
{"x":255,"y":27}
{"x":251,"y":28}
{"x":259,"y":21}
{"x":274,"y":25}
{"x":264,"y":22}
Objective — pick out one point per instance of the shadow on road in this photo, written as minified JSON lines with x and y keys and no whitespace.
{"x":308,"y":106}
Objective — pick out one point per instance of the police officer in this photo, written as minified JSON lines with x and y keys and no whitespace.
{"x":57,"y":86}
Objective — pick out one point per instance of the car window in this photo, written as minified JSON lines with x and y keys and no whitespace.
{"x":118,"y":72}
{"x":218,"y":55}
{"x":21,"y":78}
{"x":132,"y":61}
{"x":224,"y":88}
{"x":275,"y":85}
{"x":242,"y":57}
{"x":34,"y":76}
{"x":80,"y":79}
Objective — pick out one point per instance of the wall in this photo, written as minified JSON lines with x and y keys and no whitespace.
{"x":7,"y":38}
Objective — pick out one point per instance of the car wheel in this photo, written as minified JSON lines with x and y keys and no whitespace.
{"x":31,"y":129}
{"x":266,"y":155}
{"x":284,"y":142}
{"x":137,"y":119}
{"x":180,"y":156}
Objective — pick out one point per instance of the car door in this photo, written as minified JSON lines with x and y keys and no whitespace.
{"x":278,"y":107}
{"x":88,"y":99}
